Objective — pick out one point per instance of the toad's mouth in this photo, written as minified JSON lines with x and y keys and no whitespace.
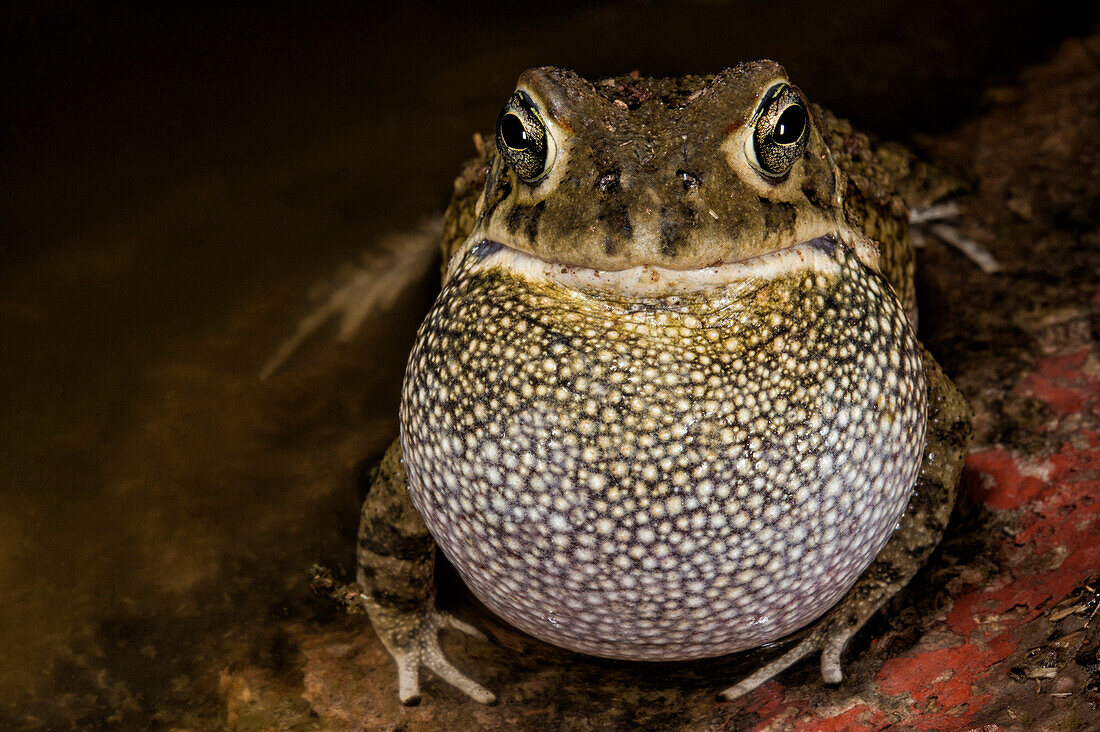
{"x":817,"y":255}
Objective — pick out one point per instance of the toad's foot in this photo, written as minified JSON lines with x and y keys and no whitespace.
{"x":412,"y":638}
{"x":938,"y":220}
{"x":396,"y":571}
{"x":917,"y":535}
{"x":830,"y":636}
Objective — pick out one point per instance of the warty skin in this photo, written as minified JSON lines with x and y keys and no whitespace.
{"x":669,"y":403}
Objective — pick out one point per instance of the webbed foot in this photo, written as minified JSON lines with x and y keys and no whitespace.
{"x":830,"y":636}
{"x":396,"y":573}
{"x":412,"y":638}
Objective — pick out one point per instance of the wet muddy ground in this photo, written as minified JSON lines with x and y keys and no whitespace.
{"x":175,"y":190}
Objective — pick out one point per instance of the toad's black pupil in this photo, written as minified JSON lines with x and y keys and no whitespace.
{"x":513,"y":132}
{"x":789,"y":126}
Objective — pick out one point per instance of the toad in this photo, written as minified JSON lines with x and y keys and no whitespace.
{"x":670,"y":402}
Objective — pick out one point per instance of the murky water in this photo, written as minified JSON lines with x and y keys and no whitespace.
{"x":173,"y":187}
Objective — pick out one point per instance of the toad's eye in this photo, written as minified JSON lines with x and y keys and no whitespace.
{"x":523,"y":139}
{"x":781,"y":127}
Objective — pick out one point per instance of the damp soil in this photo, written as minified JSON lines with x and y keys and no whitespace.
{"x":180,"y":187}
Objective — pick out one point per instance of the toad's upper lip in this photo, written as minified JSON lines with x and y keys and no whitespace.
{"x":815,"y":254}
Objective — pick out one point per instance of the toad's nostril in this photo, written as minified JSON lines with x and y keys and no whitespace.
{"x":608,"y":182}
{"x":690,"y":180}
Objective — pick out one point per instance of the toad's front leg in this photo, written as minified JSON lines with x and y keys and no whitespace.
{"x":920,"y":530}
{"x":396,"y":558}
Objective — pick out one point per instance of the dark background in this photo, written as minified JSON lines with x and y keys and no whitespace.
{"x":174,"y":178}
{"x":105,"y":102}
